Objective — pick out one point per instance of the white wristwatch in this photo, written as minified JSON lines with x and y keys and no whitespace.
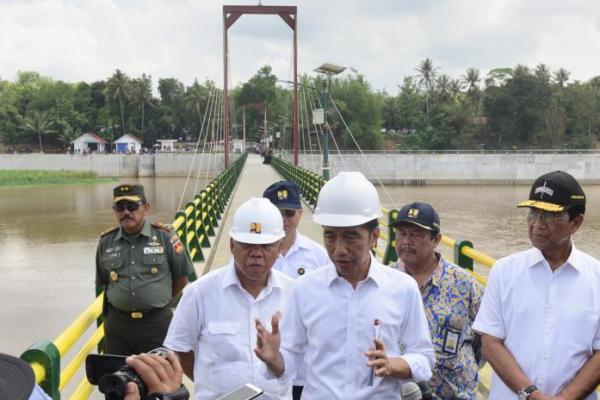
{"x":524,"y":393}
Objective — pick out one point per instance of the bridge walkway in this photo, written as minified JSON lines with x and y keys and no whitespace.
{"x":254,"y":179}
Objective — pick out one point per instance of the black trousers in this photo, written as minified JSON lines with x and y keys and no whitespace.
{"x":125,"y":335}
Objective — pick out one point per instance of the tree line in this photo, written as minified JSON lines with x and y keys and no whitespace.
{"x":508,"y":108}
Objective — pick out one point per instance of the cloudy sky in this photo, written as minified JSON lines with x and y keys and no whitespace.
{"x":385,"y":40}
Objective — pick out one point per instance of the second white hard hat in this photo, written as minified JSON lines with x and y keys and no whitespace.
{"x":257,"y":221}
{"x":348,"y":199}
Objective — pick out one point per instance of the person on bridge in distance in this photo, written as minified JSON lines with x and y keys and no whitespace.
{"x":213,"y":327}
{"x":540,"y":314}
{"x":142,"y":268}
{"x":339,"y":312}
{"x":451,"y":297}
{"x":297,"y":253}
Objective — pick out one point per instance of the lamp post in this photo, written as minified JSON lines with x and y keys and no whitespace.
{"x":329,"y":70}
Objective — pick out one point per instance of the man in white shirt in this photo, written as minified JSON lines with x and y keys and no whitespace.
{"x":213,"y":326}
{"x":540,"y":314}
{"x":297,"y":253}
{"x":359,"y":326}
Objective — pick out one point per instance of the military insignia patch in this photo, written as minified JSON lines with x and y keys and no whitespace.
{"x":177,"y":246}
{"x":255,"y":227}
{"x":154,"y":241}
{"x":154,"y":250}
{"x":154,"y":270}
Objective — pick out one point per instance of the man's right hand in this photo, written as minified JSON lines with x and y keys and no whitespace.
{"x":159,"y":374}
{"x":267,"y":345}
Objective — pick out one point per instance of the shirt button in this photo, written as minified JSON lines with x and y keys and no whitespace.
{"x":133,"y":262}
{"x":133,"y":247}
{"x":133,"y":293}
{"x":133,"y":278}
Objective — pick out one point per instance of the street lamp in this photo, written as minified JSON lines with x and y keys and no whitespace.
{"x":329,"y":70}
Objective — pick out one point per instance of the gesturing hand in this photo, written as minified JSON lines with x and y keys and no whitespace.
{"x":267,"y":345}
{"x":378,"y":359}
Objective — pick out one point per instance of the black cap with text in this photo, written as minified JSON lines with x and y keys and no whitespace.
{"x":555,"y":192}
{"x":420,"y":214}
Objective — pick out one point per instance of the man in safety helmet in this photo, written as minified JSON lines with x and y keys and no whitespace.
{"x":298,"y":254}
{"x":213,"y":326}
{"x":359,"y":325}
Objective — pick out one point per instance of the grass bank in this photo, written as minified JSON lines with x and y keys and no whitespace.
{"x":16,"y":177}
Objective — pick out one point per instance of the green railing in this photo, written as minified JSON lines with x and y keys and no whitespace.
{"x":195,"y":225}
{"x":310,"y":184}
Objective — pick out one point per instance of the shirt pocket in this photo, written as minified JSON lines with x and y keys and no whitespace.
{"x":578,"y":327}
{"x":112,"y":264}
{"x":447,"y":327}
{"x":225,"y":339}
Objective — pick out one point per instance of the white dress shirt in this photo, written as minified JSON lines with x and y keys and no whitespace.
{"x":550,"y":322}
{"x":215,"y":319}
{"x":303,"y":256}
{"x":332,"y":325}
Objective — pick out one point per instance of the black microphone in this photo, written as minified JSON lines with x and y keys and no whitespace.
{"x":425,"y":390}
{"x":411,"y":391}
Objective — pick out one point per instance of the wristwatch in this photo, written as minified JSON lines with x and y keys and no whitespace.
{"x":179,"y":394}
{"x":524,"y":393}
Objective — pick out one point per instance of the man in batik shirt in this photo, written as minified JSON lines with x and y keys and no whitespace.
{"x":451,"y":297}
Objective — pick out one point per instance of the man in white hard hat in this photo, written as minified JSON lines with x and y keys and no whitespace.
{"x":339,"y":312}
{"x":213,"y":327}
{"x":298,"y":254}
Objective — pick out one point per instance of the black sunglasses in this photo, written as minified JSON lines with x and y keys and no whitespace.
{"x":131,"y":207}
{"x":286,"y":213}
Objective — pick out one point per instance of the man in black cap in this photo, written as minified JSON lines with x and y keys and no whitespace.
{"x":451,"y":297}
{"x":142,"y":267}
{"x":298,"y":253}
{"x":540,"y":314}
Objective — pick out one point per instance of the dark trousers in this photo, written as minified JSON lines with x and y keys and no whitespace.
{"x":125,"y":335}
{"x":297,"y":392}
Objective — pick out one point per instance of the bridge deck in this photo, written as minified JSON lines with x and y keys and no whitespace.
{"x":254,"y":179}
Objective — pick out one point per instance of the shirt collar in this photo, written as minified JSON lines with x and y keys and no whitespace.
{"x":146,"y":231}
{"x":574,"y":259}
{"x":299,"y":243}
{"x":375,"y":273}
{"x":436,"y":277}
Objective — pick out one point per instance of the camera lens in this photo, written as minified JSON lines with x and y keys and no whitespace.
{"x":113,"y":386}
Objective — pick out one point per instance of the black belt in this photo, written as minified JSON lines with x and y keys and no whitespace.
{"x":137,"y":314}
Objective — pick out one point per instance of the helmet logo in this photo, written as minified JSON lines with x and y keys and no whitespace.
{"x":255,"y":227}
{"x":544,"y":189}
{"x":282,"y":194}
{"x":413,"y":212}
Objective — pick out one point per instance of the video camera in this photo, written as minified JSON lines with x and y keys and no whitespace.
{"x":112,"y":375}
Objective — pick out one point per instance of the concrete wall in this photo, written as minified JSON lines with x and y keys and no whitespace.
{"x":119,"y":165}
{"x":418,"y":169}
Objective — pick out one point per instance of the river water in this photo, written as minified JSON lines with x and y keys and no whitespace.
{"x":48,"y":238}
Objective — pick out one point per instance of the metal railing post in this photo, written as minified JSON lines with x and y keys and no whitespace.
{"x":47,"y":355}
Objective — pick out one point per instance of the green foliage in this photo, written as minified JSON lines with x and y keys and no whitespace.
{"x":13,"y":177}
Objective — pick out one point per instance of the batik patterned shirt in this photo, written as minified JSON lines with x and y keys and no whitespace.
{"x":451,"y":298}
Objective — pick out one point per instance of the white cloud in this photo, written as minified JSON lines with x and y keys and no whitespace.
{"x":385,"y":40}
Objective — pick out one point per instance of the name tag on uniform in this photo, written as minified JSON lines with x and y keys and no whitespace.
{"x":154,"y":250}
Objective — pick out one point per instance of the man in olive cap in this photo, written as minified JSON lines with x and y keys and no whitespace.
{"x":141,"y":267}
{"x":540,"y":315}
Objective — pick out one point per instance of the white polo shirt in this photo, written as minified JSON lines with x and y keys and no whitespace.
{"x":215,"y":319}
{"x":303,"y":256}
{"x":330,"y":325}
{"x":550,"y":322}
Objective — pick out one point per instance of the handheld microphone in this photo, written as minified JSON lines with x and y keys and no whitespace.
{"x":411,"y":391}
{"x":425,"y":390}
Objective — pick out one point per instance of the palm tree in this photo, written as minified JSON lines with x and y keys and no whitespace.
{"x":543,"y":72}
{"x":472,"y":79}
{"x":68,"y":134}
{"x":427,"y":73}
{"x":443,"y":86}
{"x":194,"y":101}
{"x":561,"y":76}
{"x":142,"y":94}
{"x":38,"y":123}
{"x":118,"y":88}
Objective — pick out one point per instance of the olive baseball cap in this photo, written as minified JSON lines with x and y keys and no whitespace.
{"x":133,"y":193}
{"x":555,"y":192}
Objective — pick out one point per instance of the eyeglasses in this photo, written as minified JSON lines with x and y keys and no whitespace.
{"x":131,"y":207}
{"x":546,"y":217}
{"x":287,"y":213}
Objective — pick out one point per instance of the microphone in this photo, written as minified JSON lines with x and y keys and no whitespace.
{"x":425,"y":390}
{"x":411,"y":391}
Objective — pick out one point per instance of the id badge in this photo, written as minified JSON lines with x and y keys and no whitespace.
{"x":451,"y":341}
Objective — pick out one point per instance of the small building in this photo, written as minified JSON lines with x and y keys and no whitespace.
{"x":166,"y":145}
{"x":88,"y":143}
{"x":128,"y":144}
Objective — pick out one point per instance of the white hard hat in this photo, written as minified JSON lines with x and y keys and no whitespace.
{"x":257,"y":221}
{"x":348,"y":199}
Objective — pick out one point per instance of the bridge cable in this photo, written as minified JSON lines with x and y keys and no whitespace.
{"x":210,"y":112}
